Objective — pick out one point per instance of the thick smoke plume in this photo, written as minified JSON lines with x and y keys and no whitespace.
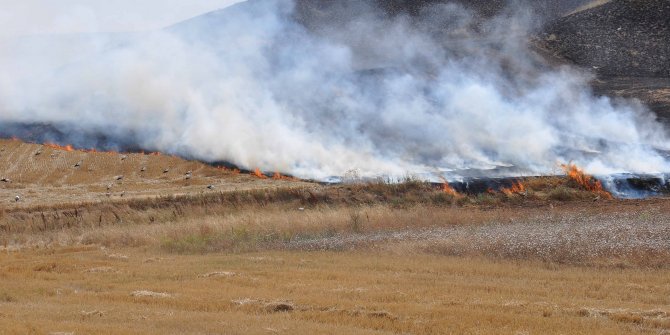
{"x":437,"y":92}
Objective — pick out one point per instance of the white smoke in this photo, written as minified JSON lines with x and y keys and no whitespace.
{"x":378,"y":95}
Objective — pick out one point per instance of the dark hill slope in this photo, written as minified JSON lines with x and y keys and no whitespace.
{"x":620,"y":38}
{"x":319,"y":13}
{"x":626,"y":43}
{"x":547,"y":8}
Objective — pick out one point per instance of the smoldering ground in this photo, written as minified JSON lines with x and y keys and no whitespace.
{"x":260,"y":86}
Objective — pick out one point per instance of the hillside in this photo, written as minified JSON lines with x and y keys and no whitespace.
{"x":618,"y":38}
{"x":625,"y":43}
{"x":47,"y":175}
{"x":486,"y":8}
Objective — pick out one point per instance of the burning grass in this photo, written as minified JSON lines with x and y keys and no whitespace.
{"x":258,"y":174}
{"x":516,"y":188}
{"x":353,"y":217}
{"x":276,"y":213}
{"x":586,"y":181}
{"x":407,"y":194}
{"x":447,"y":189}
{"x":54,"y":146}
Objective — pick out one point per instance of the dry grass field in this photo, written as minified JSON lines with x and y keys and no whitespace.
{"x":91,"y":290}
{"x":265,"y":256}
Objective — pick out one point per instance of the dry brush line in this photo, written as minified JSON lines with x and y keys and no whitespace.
{"x":169,"y":208}
{"x":136,"y":211}
{"x":263,"y":218}
{"x":250,"y":229}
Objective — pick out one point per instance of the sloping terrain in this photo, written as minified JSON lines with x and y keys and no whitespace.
{"x":588,"y":5}
{"x":622,"y":38}
{"x":46,"y":175}
{"x":321,"y":9}
{"x":654,"y":92}
{"x":626,"y":43}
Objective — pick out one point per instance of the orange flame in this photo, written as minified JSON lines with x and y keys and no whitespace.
{"x":54,"y":146}
{"x":70,"y":148}
{"x":446,"y":188}
{"x":516,"y":188}
{"x":586,"y":181}
{"x":279,"y":176}
{"x":259,"y":174}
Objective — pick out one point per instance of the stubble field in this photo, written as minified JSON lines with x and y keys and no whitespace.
{"x":268,"y":256}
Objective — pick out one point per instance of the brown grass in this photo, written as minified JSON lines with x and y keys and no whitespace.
{"x":571,"y":233}
{"x":322,"y":292}
{"x":149,"y":210}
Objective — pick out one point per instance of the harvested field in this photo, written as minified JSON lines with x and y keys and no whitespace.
{"x":275,"y":256}
{"x":44,"y":176}
{"x":372,"y":292}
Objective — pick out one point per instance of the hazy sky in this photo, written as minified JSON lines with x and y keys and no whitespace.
{"x":22,"y":17}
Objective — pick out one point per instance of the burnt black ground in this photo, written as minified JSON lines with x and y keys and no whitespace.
{"x":309,"y":10}
{"x":622,"y":38}
{"x":625,"y":43}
